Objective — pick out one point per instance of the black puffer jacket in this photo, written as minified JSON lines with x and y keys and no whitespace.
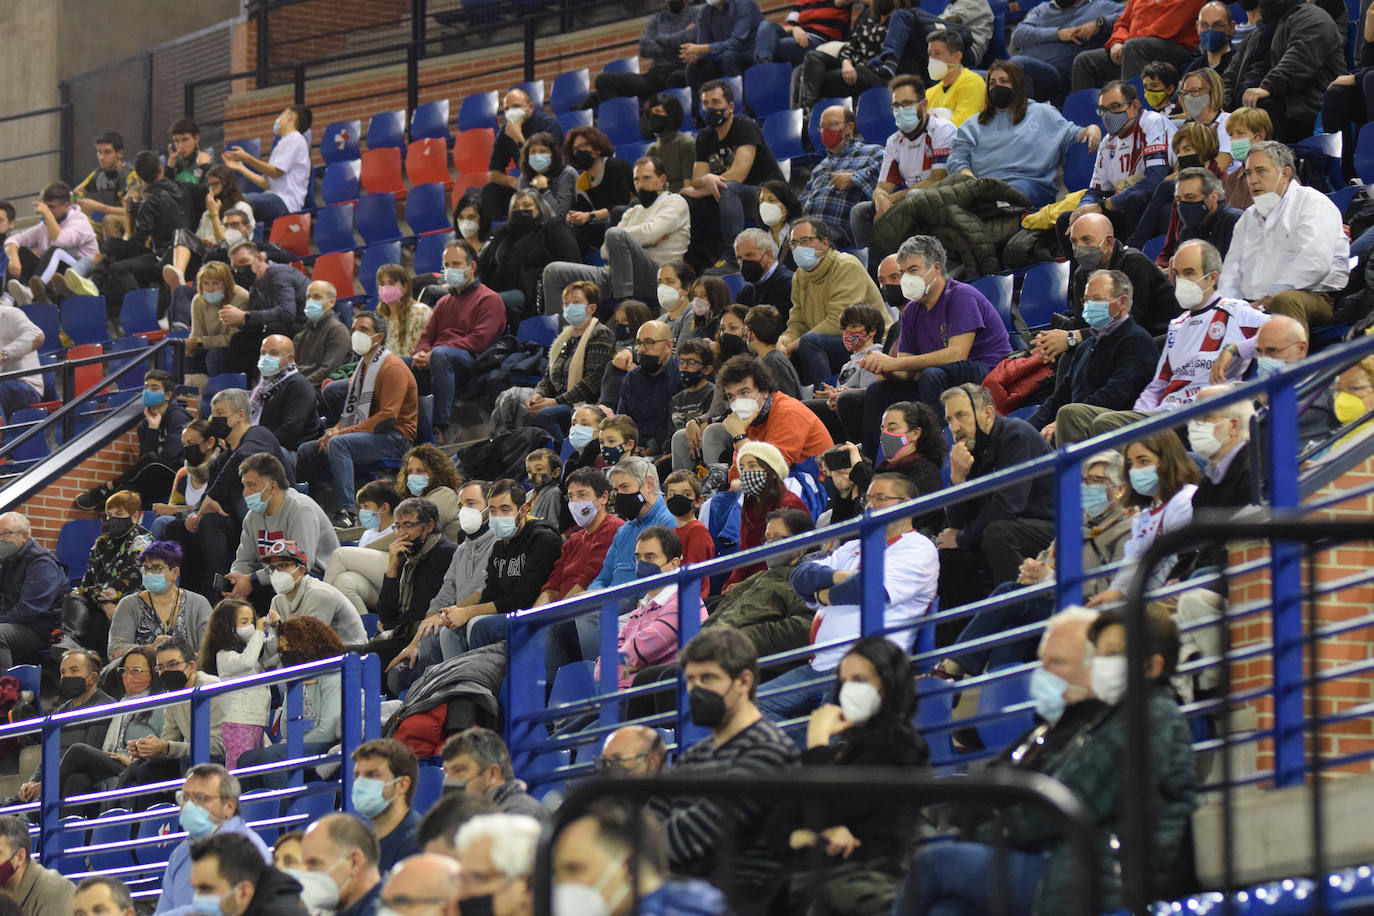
{"x":963,"y":213}
{"x":276,"y":894}
{"x":475,"y":675}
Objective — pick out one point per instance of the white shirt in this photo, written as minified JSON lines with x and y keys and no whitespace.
{"x":911,"y":575}
{"x":292,"y":156}
{"x":370,"y":534}
{"x":907,"y":162}
{"x":663,"y":229}
{"x":1300,"y":245}
{"x":1122,"y":161}
{"x":1191,"y":345}
{"x":1146,"y":526}
{"x":17,"y":337}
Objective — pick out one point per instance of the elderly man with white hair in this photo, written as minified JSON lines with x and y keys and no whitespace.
{"x":32,"y":584}
{"x":496,"y":852}
{"x":767,"y":280}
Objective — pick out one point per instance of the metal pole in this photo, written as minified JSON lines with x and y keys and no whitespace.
{"x":148,"y":100}
{"x":419,"y":16}
{"x":298,"y":77}
{"x":531,"y":27}
{"x":188,"y":99}
{"x":1068,"y":529}
{"x":1286,"y":570}
{"x":352,"y":682}
{"x":295,"y":733}
{"x":412,"y":77}
{"x":872,"y":548}
{"x":263,"y":44}
{"x":66,"y":132}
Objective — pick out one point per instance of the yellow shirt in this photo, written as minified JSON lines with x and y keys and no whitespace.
{"x":965,"y":97}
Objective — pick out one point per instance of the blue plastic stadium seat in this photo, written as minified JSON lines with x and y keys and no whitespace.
{"x":569,"y":89}
{"x":619,"y":120}
{"x":427,"y":209}
{"x":429,"y":120}
{"x":933,"y":708}
{"x":736,"y":283}
{"x":1153,"y":247}
{"x":873,"y":115}
{"x":83,"y":318}
{"x":138,"y":312}
{"x":534,"y":89}
{"x":540,"y":329}
{"x":218,"y":383}
{"x":375,"y":215}
{"x":428,"y":787}
{"x":767,"y":88}
{"x":573,"y":683}
{"x":49,"y":321}
{"x":568,"y":120}
{"x":478,"y":110}
{"x":334,"y":228}
{"x":1000,"y":696}
{"x":74,"y":542}
{"x":154,"y":826}
{"x":387,"y":129}
{"x":314,"y":805}
{"x":340,"y":184}
{"x":997,"y":290}
{"x":339,"y":142}
{"x":373,"y":258}
{"x":622,"y":65}
{"x":1081,"y":108}
{"x":1044,"y":291}
{"x":783,"y":134}
{"x":1078,"y":167}
{"x":429,"y":252}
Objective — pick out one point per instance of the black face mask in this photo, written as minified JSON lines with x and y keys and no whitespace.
{"x":476,"y":906}
{"x":731,"y":345}
{"x":649,"y":362}
{"x":193,"y":455}
{"x":245,"y":277}
{"x":679,"y":505}
{"x":647,"y":198}
{"x":628,"y":505}
{"x":173,"y":680}
{"x":119,"y":526}
{"x":1190,"y":161}
{"x":72,"y":687}
{"x":520,"y":219}
{"x":751,"y":271}
{"x":1271,"y":11}
{"x":707,"y":708}
{"x":622,"y":332}
{"x":893,"y":295}
{"x":583,"y":159}
{"x":676,"y":6}
{"x":690,"y":377}
{"x":219,"y":428}
{"x":658,"y":124}
{"x":1000,"y":97}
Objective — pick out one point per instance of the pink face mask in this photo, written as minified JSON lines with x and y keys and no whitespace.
{"x":854,"y":342}
{"x":389,"y":293}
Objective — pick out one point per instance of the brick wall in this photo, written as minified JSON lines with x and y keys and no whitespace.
{"x":1342,"y":738}
{"x":50,"y":508}
{"x":451,"y":76}
{"x":296,"y":30}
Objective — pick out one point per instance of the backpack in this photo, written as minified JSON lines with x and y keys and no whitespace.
{"x":503,"y":455}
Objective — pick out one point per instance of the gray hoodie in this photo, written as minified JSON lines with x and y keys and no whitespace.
{"x":467,"y":573}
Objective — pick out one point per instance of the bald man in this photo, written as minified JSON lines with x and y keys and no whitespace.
{"x":1215,"y":28}
{"x":284,"y":400}
{"x":344,"y":847}
{"x":633,"y":750}
{"x":650,"y":385}
{"x":32,"y":584}
{"x":322,"y":346}
{"x":430,"y":879}
{"x":1093,"y":246}
{"x":1281,"y":342}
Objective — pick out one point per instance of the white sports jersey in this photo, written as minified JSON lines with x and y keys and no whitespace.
{"x":1122,"y":161}
{"x":1191,"y":345}
{"x":907,"y":161}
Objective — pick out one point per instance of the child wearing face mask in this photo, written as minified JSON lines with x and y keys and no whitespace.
{"x":682,"y":494}
{"x":232,"y":648}
{"x":544,"y":471}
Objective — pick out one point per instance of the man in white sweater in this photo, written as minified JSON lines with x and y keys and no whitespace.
{"x":651,"y":233}
{"x":276,"y":512}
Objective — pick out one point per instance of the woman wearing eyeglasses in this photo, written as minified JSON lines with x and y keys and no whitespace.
{"x":162,"y":609}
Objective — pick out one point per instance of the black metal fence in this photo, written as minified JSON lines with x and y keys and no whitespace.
{"x":16,"y":184}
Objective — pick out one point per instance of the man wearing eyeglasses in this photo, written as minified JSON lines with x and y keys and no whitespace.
{"x":648,"y":389}
{"x":32,"y":585}
{"x":424,"y":885}
{"x":209,"y":801}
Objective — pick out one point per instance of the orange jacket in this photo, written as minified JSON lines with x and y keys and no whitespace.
{"x":1172,"y":20}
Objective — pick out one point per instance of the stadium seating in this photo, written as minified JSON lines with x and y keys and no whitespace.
{"x":386,"y":129}
{"x":340,"y":142}
{"x":429,"y":121}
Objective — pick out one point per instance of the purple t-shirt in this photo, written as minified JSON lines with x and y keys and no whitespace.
{"x":959,"y":310}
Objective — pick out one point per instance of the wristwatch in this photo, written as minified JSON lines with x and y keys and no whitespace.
{"x":1075,"y":338}
{"x":738,"y":439}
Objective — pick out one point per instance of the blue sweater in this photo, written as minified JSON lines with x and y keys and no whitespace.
{"x":729,"y":29}
{"x":619,"y":566}
{"x":1026,"y":155}
{"x":1038,"y":34}
{"x":647,"y":400}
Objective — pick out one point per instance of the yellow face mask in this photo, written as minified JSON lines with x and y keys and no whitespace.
{"x":1156,"y":97}
{"x":1348,"y":407}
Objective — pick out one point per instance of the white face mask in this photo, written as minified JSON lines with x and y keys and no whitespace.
{"x":744,"y":408}
{"x":468,"y":226}
{"x":770,"y":213}
{"x":582,"y":512}
{"x":1188,"y":293}
{"x":362,"y":342}
{"x":859,"y":701}
{"x":667,"y":296}
{"x":282,"y":581}
{"x":937,"y":69}
{"x":584,"y":899}
{"x":914,"y":286}
{"x":233,"y":236}
{"x":469,"y":519}
{"x":245,"y":633}
{"x":319,"y":893}
{"x":515,"y":115}
{"x":1109,"y":678}
{"x":1202,"y":438}
{"x":1265,"y":202}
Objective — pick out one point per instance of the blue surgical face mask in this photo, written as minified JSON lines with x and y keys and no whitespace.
{"x":908,"y":119}
{"x":806,"y":257}
{"x":314,"y":309}
{"x":269,"y":365}
{"x":255,"y":502}
{"x":503,"y":526}
{"x":1268,"y":365}
{"x":1095,"y":500}
{"x":1047,"y":690}
{"x":213,"y":297}
{"x":206,"y":905}
{"x":575,"y":313}
{"x":417,"y":483}
{"x":1145,"y":481}
{"x":581,"y":436}
{"x":155,"y":582}
{"x":644,"y":569}
{"x":1096,"y":313}
{"x":370,"y":519}
{"x":455,"y":277}
{"x":368,"y":799}
{"x":540,"y":162}
{"x":153,"y":398}
{"x":196,"y":821}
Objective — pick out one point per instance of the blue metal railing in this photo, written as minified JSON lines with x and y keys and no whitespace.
{"x":527,"y":710}
{"x":361,"y":684}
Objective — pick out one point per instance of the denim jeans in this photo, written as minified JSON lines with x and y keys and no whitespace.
{"x":820,"y":356}
{"x":1046,"y":81}
{"x":998,"y":620}
{"x":897,"y":43}
{"x":275,"y":753}
{"x":962,"y":879}
{"x":449,"y":370}
{"x":15,"y":394}
{"x":428,"y":652}
{"x":266,"y":206}
{"x":342,"y":455}
{"x":799,"y":703}
{"x":772,"y":44}
{"x":554,"y":421}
